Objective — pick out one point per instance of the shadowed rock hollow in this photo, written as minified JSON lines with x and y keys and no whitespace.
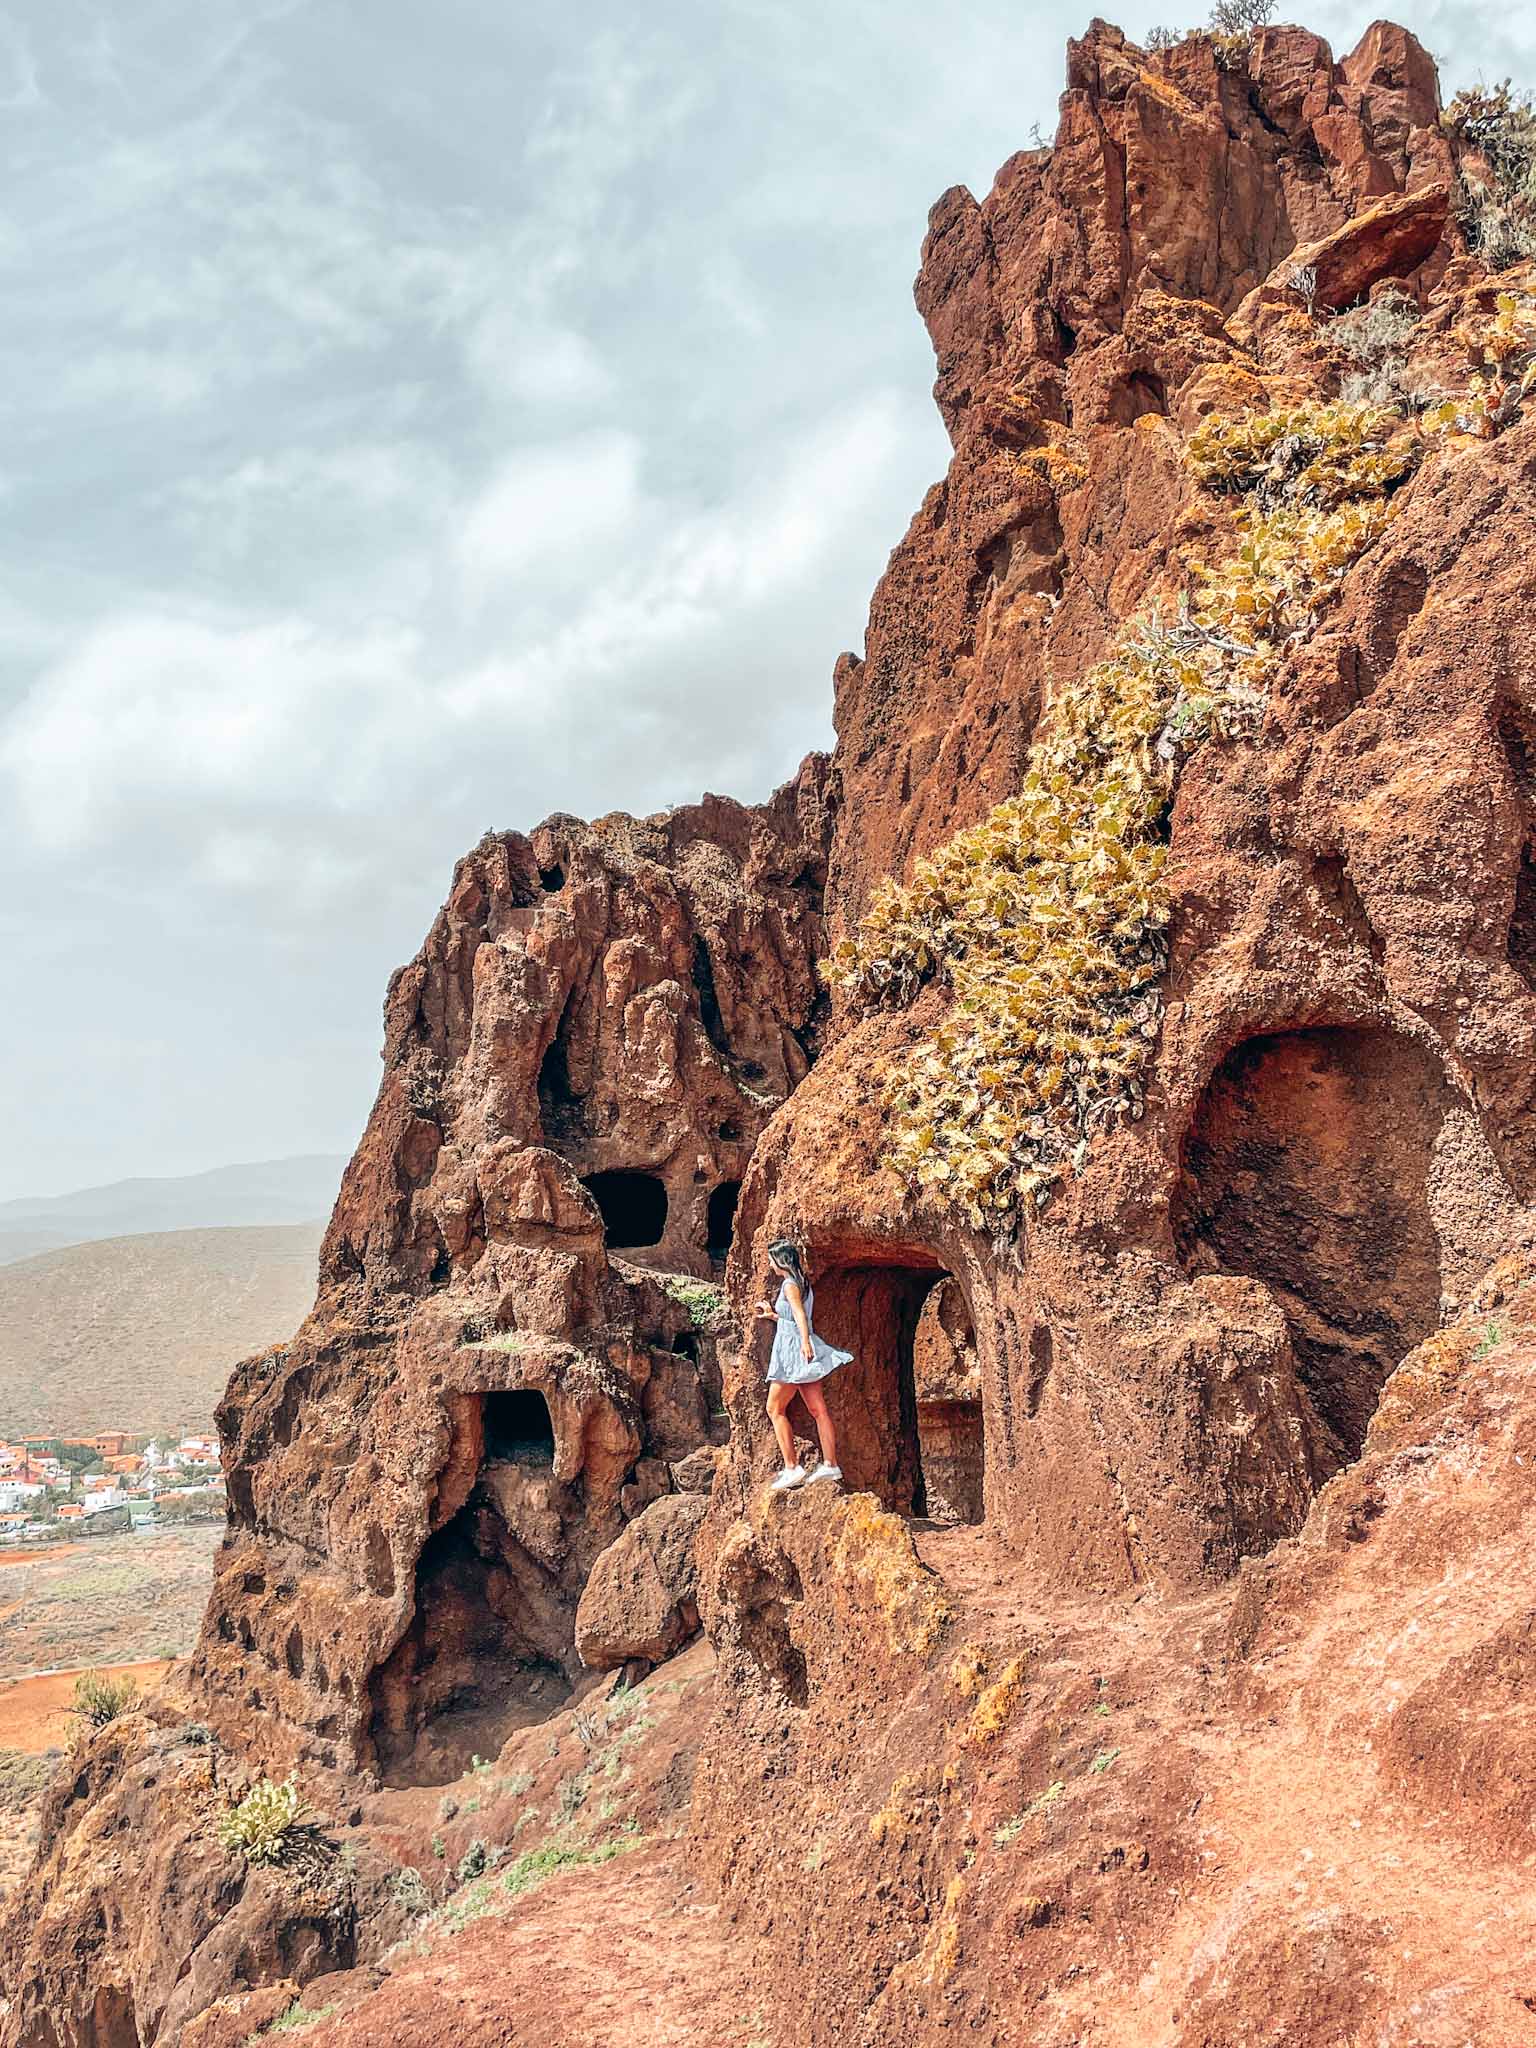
{"x":1163,"y":1675}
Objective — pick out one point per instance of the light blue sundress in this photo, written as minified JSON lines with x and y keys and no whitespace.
{"x":787,"y":1362}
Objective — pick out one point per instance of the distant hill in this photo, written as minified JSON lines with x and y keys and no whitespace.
{"x":268,"y":1191}
{"x":140,"y":1332}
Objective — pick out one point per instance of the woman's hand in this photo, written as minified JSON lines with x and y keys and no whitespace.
{"x":806,"y":1351}
{"x":765,"y":1312}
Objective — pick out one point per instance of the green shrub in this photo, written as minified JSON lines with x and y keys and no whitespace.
{"x":293,"y":2019}
{"x":409,"y":1892}
{"x":99,"y":1699}
{"x":704,"y":1303}
{"x":1047,"y":920}
{"x":1384,"y":327}
{"x":22,"y":1778}
{"x":1498,"y":214}
{"x":472,"y":1862}
{"x":265,"y":1825}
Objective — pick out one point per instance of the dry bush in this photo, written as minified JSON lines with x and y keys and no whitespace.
{"x":1498,"y":214}
{"x":99,"y":1699}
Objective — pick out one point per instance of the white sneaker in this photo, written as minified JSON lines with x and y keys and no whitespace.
{"x":833,"y":1472}
{"x":791,"y":1477}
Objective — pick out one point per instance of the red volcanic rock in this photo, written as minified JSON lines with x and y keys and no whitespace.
{"x":576,"y":1067}
{"x":1160,"y":1673}
{"x":1390,"y":239}
{"x":641,"y":1596}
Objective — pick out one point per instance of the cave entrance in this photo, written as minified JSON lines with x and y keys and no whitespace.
{"x":947,"y":1383}
{"x":633,"y":1207}
{"x":720,"y":1220}
{"x":492,"y":1625}
{"x":908,"y":1409}
{"x":1307,"y":1165}
{"x":518,"y":1427}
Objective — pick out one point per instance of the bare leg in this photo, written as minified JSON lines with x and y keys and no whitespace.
{"x":779,"y":1398}
{"x":821,"y":1415}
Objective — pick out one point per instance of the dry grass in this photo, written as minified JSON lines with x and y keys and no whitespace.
{"x":877,"y":1550}
{"x":140,"y":1333}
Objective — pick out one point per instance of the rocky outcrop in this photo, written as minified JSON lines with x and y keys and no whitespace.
{"x":513,"y":1340}
{"x":641,"y":1597}
{"x":1177,"y":1354}
{"x":1126,"y":1692}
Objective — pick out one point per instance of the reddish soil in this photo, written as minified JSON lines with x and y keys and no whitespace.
{"x":34,"y":1712}
{"x":623,"y":1956}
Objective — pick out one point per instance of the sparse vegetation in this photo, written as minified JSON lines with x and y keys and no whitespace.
{"x":409,"y":1891}
{"x":1489,"y":1339}
{"x":472,"y":1862}
{"x":265,"y":1825}
{"x":1303,"y":282}
{"x":1047,"y":920}
{"x":704,"y":1302}
{"x":100,"y":1699}
{"x":1497,"y":214}
{"x":294,"y":2019}
{"x":1241,"y":17}
{"x":1104,"y":1761}
{"x":22,"y":1778}
{"x":1044,"y":1801}
{"x":1009,"y":1831}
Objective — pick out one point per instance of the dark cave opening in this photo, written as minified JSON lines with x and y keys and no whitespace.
{"x":1307,"y":1166}
{"x":518,"y":1427}
{"x":908,"y":1408}
{"x":709,"y":1000}
{"x":720,"y":1220}
{"x":633,"y":1206}
{"x":562,"y":1106}
{"x":481,"y":1655}
{"x":1522,"y":923}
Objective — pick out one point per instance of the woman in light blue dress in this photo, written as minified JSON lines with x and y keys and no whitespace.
{"x":797,"y":1364}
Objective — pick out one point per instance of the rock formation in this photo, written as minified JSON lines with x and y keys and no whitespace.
{"x":1177,"y":1588}
{"x":507,"y":1360}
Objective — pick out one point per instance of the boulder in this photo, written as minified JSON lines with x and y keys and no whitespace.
{"x":640,"y":1600}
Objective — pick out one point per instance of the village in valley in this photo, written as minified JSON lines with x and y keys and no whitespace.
{"x":54,"y":1487}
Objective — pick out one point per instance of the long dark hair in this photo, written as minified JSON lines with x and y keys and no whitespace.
{"x":786,"y":1255}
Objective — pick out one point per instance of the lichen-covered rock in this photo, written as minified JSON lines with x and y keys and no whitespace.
{"x":641,"y":1595}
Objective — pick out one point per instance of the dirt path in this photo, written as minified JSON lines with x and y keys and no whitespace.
{"x":625,"y":1956}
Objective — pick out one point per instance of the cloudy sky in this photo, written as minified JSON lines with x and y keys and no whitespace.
{"x":416,"y":420}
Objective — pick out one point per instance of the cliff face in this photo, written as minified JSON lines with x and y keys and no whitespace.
{"x":1338,"y":1127}
{"x":493,"y":1382}
{"x":1156,"y":1494}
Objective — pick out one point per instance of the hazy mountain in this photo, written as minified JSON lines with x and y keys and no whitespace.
{"x":298,"y":1190}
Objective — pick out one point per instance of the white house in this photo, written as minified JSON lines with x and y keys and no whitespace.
{"x":13,"y":1492}
{"x":101,"y":1497}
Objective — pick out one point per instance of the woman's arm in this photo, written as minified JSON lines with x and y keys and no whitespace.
{"x":796,"y":1302}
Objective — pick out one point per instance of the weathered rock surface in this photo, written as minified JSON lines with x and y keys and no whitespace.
{"x":641,"y":1596}
{"x":1163,"y":1675}
{"x":576,"y":1067}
